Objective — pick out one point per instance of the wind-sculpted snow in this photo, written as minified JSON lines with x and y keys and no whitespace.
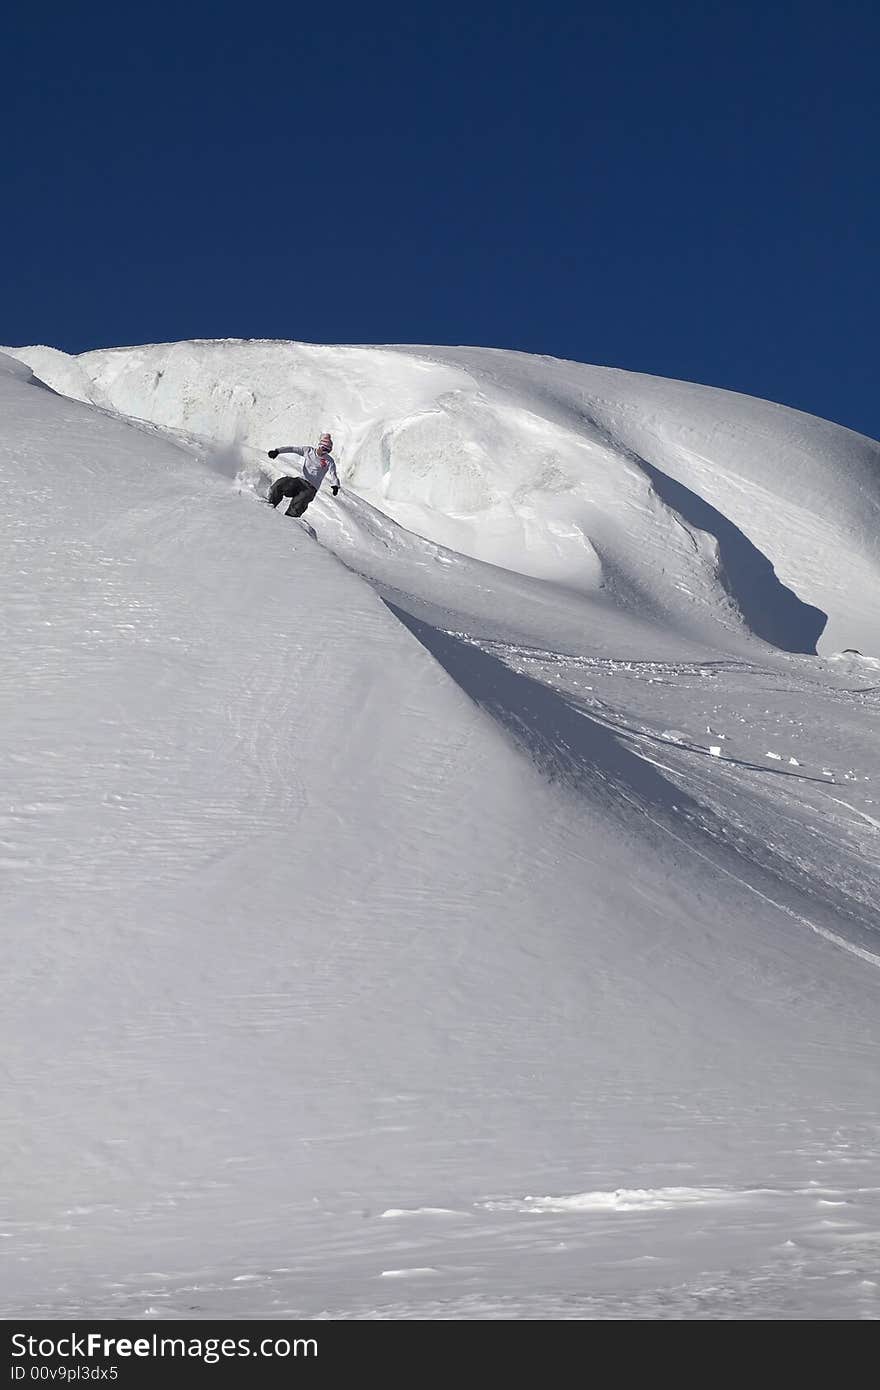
{"x":360,"y":895}
{"x":691,"y":506}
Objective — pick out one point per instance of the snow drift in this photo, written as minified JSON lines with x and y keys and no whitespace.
{"x":363,"y":892}
{"x":680,"y":499}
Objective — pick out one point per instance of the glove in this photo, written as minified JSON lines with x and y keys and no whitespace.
{"x":273,"y":453}
{"x":334,"y":490}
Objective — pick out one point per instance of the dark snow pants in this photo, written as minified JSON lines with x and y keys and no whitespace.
{"x":298,"y":490}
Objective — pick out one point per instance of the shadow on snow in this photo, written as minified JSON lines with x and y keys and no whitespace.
{"x":772,"y":610}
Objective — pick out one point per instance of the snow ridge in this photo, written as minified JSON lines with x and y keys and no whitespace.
{"x":482,"y":842}
{"x":696,"y":505}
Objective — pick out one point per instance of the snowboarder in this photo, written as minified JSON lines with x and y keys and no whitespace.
{"x":317,"y":464}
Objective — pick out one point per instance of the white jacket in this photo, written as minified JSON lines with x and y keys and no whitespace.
{"x":314,"y":469}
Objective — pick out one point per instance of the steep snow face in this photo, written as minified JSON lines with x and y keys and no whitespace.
{"x":496,"y":949}
{"x":702,"y":509}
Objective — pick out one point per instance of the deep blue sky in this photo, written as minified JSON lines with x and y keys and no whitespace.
{"x":679,"y":187}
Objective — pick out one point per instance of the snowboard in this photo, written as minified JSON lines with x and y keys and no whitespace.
{"x":248,"y":490}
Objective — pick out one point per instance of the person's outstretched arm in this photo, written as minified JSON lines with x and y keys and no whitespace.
{"x":333,"y":478}
{"x":288,"y":449}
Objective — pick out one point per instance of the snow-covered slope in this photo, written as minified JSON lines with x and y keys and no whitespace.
{"x":372,"y":910}
{"x":691,"y":504}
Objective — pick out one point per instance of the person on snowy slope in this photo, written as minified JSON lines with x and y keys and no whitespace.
{"x":317,"y":464}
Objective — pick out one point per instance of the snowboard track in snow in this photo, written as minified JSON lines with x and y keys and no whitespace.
{"x":588,"y":756}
